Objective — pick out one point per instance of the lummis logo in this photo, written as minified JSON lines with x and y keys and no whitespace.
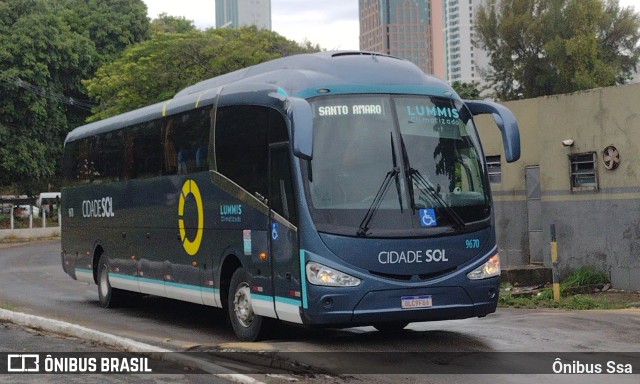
{"x":231,"y":213}
{"x":432,"y":111}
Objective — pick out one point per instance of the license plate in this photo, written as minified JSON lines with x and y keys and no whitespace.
{"x":413,"y":302}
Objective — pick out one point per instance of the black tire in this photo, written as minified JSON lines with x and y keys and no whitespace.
{"x":246,"y":324}
{"x":390,"y":326}
{"x":109,"y":297}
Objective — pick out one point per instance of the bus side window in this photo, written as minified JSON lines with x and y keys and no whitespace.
{"x":241,"y":146}
{"x":70,"y":163}
{"x":169,"y":148}
{"x":85,"y":170}
{"x":142,"y":153}
{"x":185,"y":142}
{"x":108,"y":155}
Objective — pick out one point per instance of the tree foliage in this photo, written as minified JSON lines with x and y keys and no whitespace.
{"x":467,"y":91}
{"x":46,"y":48}
{"x":112,"y":25}
{"x":171,"y":24}
{"x":156,"y":69}
{"x":544,"y":47}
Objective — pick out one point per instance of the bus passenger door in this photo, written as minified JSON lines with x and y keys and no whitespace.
{"x":285,"y":261}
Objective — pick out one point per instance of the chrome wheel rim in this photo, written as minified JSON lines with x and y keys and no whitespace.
{"x":242,"y":305}
{"x":104,"y":282}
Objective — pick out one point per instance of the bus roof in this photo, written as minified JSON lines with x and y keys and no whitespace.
{"x":293,"y":75}
{"x":297,"y":73}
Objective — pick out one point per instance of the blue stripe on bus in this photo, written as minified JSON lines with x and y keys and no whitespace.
{"x":287,"y":300}
{"x":303,"y":280}
{"x":187,"y":286}
{"x":261,"y":297}
{"x":147,"y":280}
{"x":122,"y":276}
{"x":83,"y":270}
{"x":163,"y":282}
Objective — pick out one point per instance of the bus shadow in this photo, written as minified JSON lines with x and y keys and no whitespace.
{"x":362,"y":350}
{"x":176,"y":313}
{"x":368,"y":339}
{"x":285,"y":336}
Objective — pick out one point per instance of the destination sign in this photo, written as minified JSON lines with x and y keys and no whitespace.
{"x":345,"y":110}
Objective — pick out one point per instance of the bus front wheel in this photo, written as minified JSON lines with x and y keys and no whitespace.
{"x":109,"y":297}
{"x":246,"y":324}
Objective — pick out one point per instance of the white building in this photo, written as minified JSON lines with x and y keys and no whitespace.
{"x":463,"y":60}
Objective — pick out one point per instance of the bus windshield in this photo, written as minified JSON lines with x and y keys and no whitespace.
{"x":399,"y":165}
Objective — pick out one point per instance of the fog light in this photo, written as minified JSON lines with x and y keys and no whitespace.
{"x":327,"y":302}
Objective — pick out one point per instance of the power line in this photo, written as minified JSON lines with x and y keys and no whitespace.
{"x":85,"y":105}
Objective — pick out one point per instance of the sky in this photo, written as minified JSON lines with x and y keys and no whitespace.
{"x":333,"y":24}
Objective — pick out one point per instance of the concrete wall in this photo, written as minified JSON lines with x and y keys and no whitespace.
{"x":599,"y":228}
{"x":29,"y":233}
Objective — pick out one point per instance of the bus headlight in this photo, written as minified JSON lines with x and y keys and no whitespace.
{"x":489,"y":269}
{"x":318,"y":274}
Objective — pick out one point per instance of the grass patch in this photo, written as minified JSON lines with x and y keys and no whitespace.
{"x":585,"y":276}
{"x":8,"y":307}
{"x":544,"y":299}
{"x":571,"y":296}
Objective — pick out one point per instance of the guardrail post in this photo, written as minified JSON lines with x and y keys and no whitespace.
{"x":11,"y":219}
{"x":30,"y":217}
{"x":44,"y":217}
{"x":554,"y":264}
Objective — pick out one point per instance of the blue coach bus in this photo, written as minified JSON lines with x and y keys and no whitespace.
{"x":330,"y":189}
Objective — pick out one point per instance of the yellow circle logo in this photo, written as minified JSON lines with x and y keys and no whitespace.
{"x":191,"y":246}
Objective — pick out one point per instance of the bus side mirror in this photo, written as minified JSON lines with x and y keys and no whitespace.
{"x":505,"y":120}
{"x":301,"y":117}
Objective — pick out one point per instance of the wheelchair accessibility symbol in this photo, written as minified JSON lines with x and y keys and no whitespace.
{"x":274,"y":231}
{"x":428,"y":217}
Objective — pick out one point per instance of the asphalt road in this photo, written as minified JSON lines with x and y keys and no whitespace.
{"x":32,"y":281}
{"x":16,"y":340}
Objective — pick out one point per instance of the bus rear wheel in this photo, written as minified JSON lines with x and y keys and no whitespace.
{"x":246,"y":324}
{"x":109,"y":297}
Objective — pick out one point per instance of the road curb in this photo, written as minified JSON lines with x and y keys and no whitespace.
{"x":121,"y":343}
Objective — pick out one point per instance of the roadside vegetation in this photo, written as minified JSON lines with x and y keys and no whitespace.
{"x":66,"y":62}
{"x":8,"y":307}
{"x":23,"y":222}
{"x":584,"y":288}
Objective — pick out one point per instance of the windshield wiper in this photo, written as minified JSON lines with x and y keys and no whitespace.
{"x":382,"y":191}
{"x":424,"y":184}
{"x":426,"y":187}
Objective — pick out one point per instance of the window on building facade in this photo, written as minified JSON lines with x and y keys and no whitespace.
{"x":494,"y":169}
{"x":583,"y":172}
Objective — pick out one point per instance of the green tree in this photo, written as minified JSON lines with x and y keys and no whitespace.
{"x":156,"y":69}
{"x":544,"y":47}
{"x":112,"y":25}
{"x":40,"y":56}
{"x":467,"y":91}
{"x":171,"y":24}
{"x":46,"y":48}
